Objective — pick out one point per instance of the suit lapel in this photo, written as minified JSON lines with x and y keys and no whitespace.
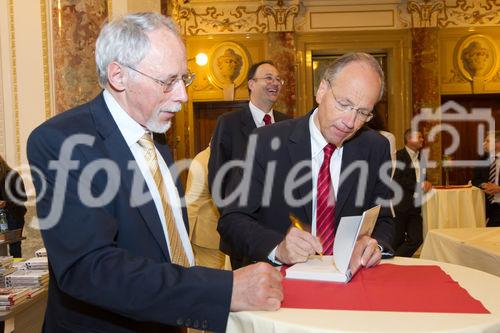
{"x":350,"y":154}
{"x":247,"y":122}
{"x":299,"y":150}
{"x":119,"y":152}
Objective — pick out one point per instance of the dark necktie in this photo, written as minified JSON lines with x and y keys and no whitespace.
{"x":267,"y":120}
{"x":325,"y":205}
{"x":492,"y":176}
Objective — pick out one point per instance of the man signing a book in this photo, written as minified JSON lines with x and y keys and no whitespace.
{"x":319,"y":167}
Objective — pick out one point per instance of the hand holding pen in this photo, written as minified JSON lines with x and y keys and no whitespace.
{"x":298,"y":244}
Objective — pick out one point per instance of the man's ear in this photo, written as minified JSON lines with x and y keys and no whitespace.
{"x":323,"y":88}
{"x":116,"y":76}
{"x":250,"y":84}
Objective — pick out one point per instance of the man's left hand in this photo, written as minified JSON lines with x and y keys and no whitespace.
{"x":367,"y":252}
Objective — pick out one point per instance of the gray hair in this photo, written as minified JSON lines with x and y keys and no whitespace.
{"x":125,"y":40}
{"x":334,"y":68}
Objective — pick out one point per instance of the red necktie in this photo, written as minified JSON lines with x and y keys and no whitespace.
{"x":267,"y":120}
{"x":325,"y":205}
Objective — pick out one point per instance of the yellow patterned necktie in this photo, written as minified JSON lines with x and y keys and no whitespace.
{"x":177,"y":253}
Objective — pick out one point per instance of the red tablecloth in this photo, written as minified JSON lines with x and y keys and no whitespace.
{"x":386,"y":287}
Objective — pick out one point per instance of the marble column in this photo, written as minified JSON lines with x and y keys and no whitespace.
{"x":281,"y":50}
{"x":425,"y":88}
{"x":75,"y":27}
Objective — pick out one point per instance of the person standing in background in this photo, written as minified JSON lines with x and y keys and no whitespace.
{"x":231,"y":134}
{"x":486,"y":178}
{"x":411,"y":178}
{"x":203,"y":215}
{"x":12,"y":198}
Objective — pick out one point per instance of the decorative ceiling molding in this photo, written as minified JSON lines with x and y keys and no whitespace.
{"x":453,"y":13}
{"x":200,"y":17}
{"x":271,"y":16}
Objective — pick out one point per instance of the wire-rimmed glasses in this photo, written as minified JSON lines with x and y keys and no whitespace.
{"x":168,"y":85}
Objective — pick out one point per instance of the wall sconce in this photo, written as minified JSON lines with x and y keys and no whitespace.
{"x":201,"y":59}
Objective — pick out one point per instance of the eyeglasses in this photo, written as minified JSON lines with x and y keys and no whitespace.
{"x":344,"y":107}
{"x":269,"y":79}
{"x":168,"y":85}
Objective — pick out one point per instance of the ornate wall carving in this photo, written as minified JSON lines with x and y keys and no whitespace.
{"x":272,"y":16}
{"x":452,"y":13}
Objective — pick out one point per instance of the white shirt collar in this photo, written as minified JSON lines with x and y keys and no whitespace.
{"x":318,"y":142}
{"x":413,"y":154}
{"x":258,"y":115}
{"x":131,"y":130}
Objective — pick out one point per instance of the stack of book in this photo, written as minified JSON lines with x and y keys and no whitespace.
{"x":5,"y":268}
{"x":10,"y":297}
{"x":37,"y":263}
{"x":27,"y":279}
{"x":41,"y":252}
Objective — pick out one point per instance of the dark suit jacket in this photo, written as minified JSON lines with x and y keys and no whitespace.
{"x":230,"y":139}
{"x":110,"y":270}
{"x":481,"y":175}
{"x":406,"y":178}
{"x":255,"y":229}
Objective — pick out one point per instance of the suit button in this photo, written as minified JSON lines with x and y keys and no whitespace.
{"x":204,"y":324}
{"x":187,"y":322}
{"x":180,"y":322}
{"x":196,"y":324}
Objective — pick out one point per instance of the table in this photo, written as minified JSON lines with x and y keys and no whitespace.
{"x":477,"y":248}
{"x":27,"y":317}
{"x":454,"y":207}
{"x":480,"y":285}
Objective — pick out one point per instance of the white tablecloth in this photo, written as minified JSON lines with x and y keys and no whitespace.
{"x":454,"y":208}
{"x":482,"y":286}
{"x":477,"y":248}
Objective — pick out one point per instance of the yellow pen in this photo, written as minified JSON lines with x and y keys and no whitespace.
{"x":297,"y":224}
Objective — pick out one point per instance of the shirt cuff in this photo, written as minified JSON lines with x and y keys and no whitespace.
{"x":272,"y":257}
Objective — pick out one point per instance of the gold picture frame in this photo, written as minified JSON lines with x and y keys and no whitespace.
{"x":229,"y":63}
{"x":476,"y":57}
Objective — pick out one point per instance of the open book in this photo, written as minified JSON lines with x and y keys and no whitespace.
{"x":338,"y":268}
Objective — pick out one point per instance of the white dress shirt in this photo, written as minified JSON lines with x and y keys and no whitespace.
{"x":258,"y":115}
{"x":318,"y":142}
{"x":132,"y":132}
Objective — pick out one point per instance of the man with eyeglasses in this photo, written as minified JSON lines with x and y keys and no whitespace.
{"x":109,"y":201}
{"x":231,"y":134}
{"x":319,"y":167}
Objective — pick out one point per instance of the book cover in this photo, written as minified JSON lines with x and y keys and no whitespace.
{"x":339,"y":267}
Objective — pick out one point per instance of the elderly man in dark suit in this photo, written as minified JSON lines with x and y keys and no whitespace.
{"x":230,"y":138}
{"x":320,"y":167}
{"x":109,"y":201}
{"x":411,"y":177}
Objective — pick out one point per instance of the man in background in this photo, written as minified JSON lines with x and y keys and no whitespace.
{"x":109,"y":201}
{"x":230,"y":138}
{"x":411,"y":178}
{"x":486,"y":178}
